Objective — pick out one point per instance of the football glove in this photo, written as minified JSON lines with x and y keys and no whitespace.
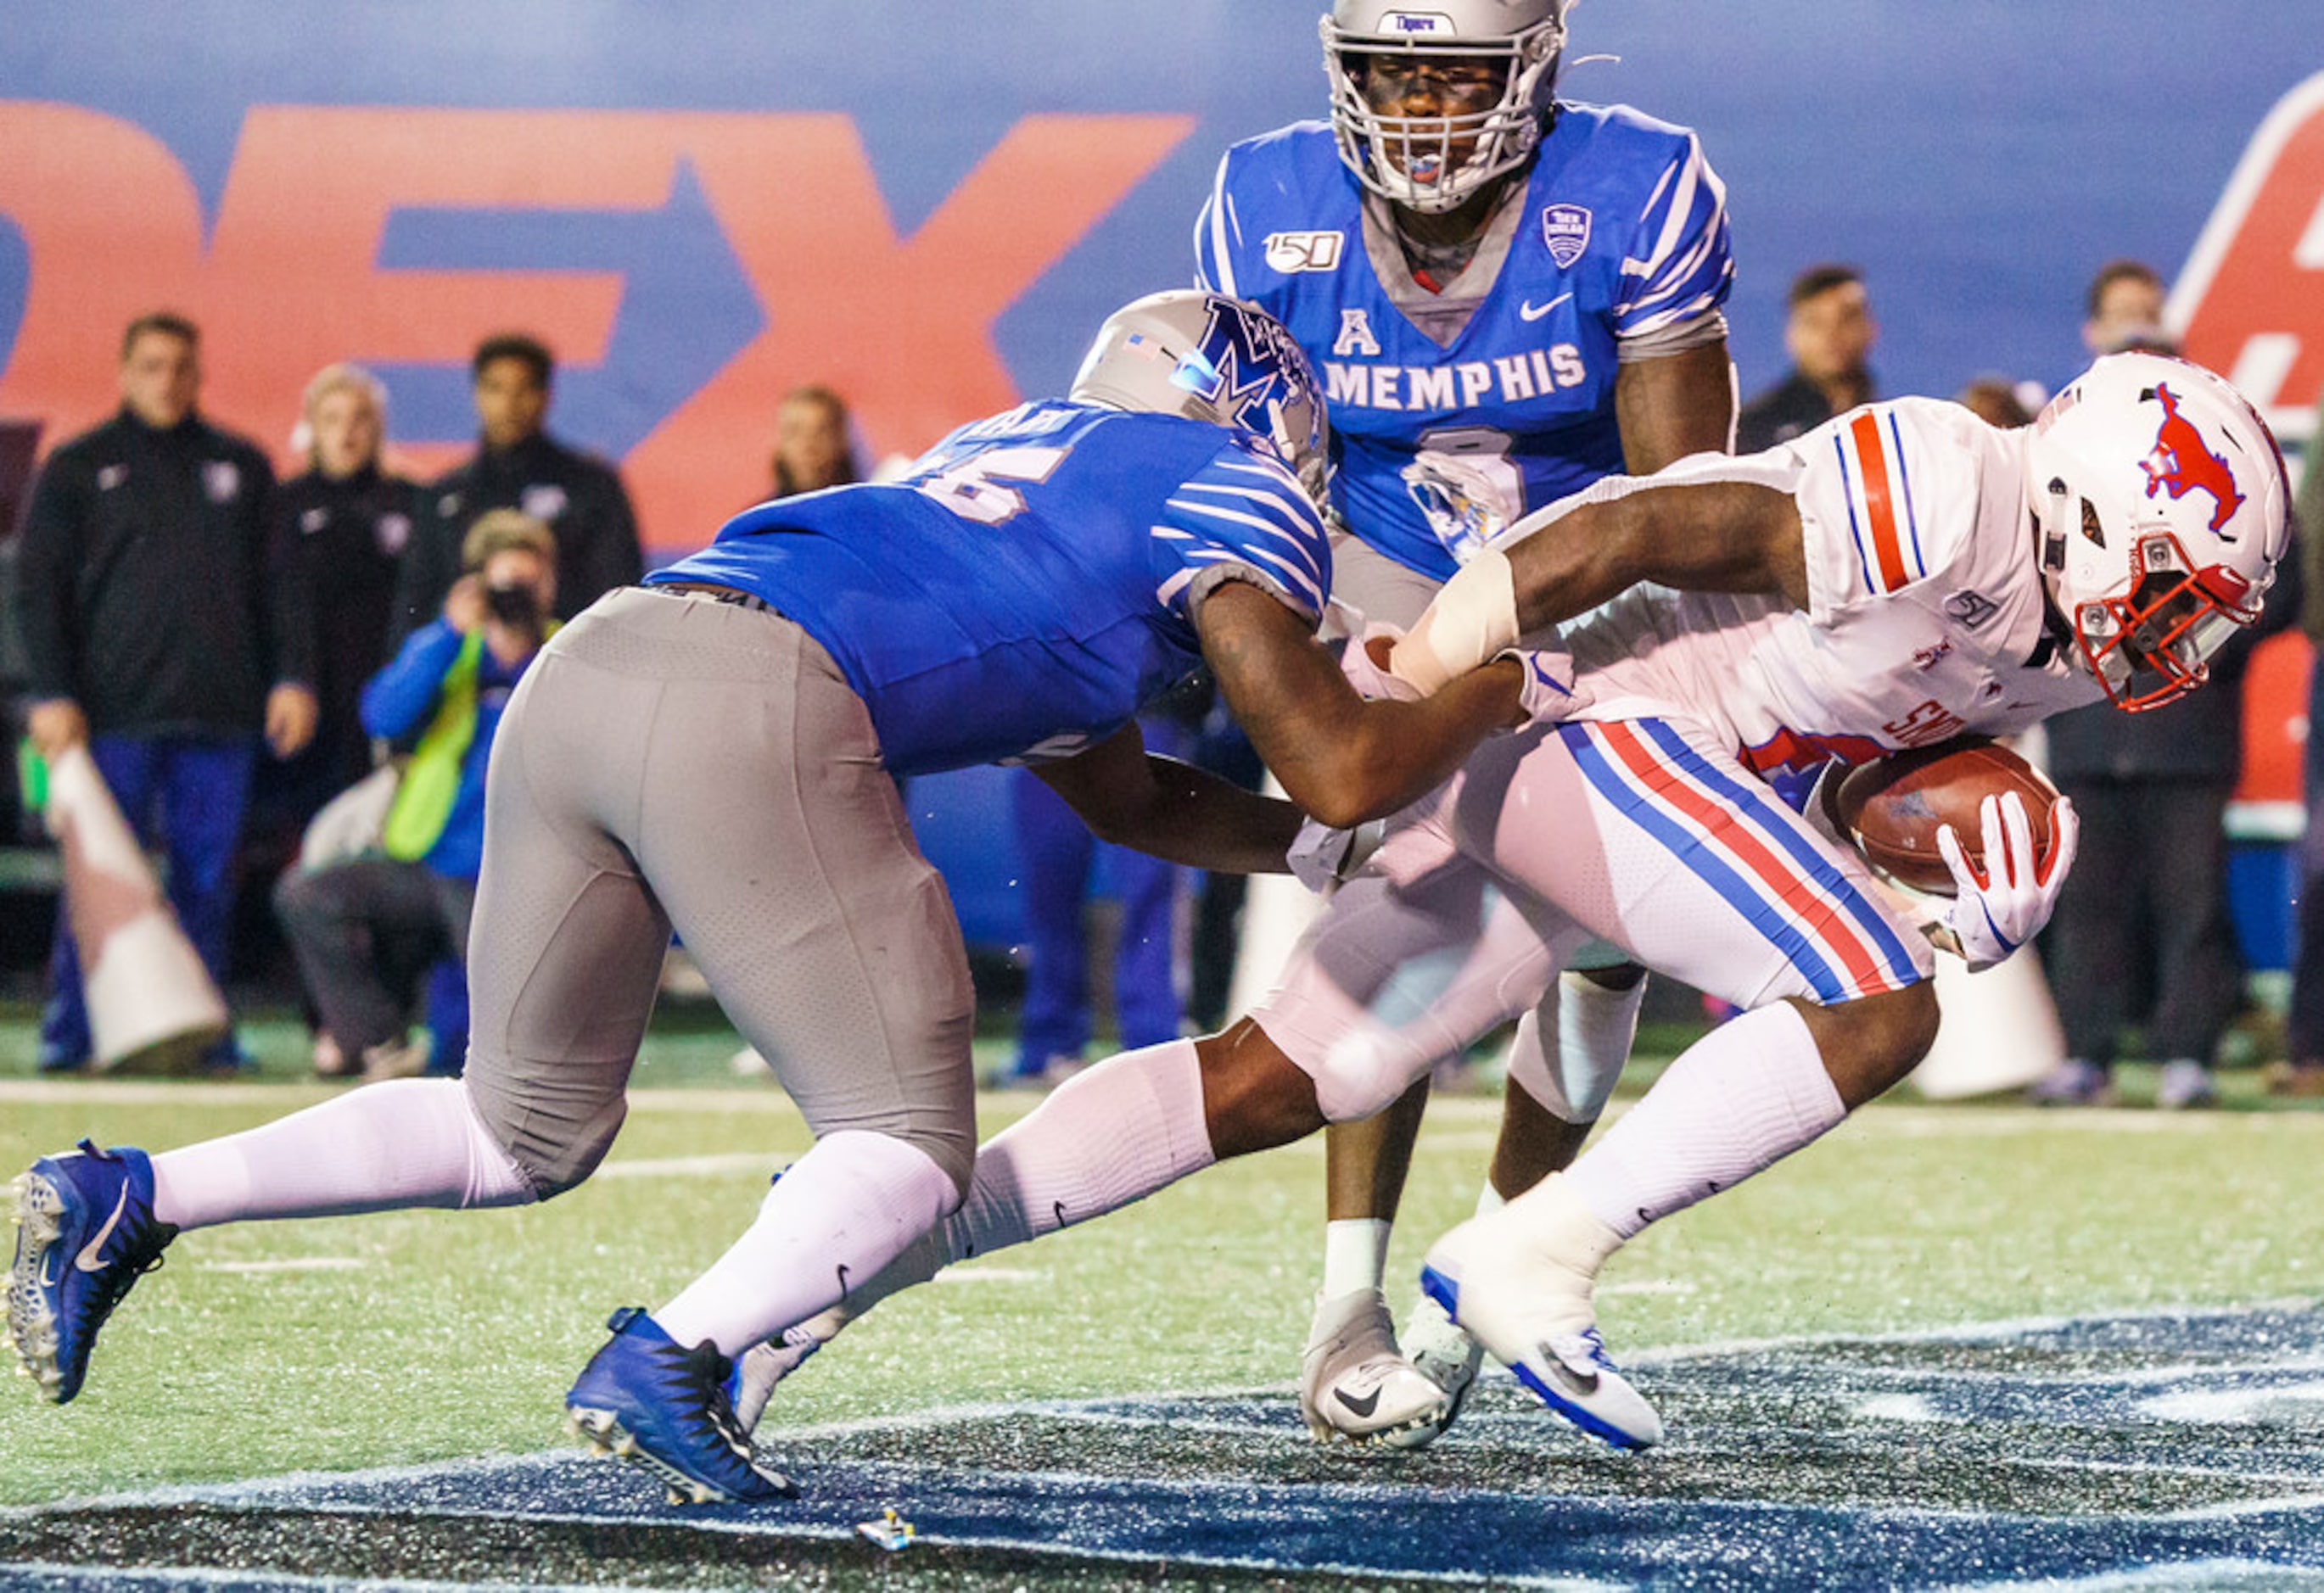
{"x":1323,"y":858}
{"x":1547,"y":691}
{"x":1996,"y":912}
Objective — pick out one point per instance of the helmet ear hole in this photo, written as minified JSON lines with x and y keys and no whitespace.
{"x":2092,"y":529}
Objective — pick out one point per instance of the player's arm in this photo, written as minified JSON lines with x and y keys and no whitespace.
{"x":1696,"y":535}
{"x":1173,"y":810}
{"x":1675,"y":405}
{"x":1342,"y":758}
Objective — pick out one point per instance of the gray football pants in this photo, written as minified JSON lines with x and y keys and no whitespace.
{"x":673,"y":761}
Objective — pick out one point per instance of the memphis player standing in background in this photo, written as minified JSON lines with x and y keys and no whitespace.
{"x":1509,"y":296}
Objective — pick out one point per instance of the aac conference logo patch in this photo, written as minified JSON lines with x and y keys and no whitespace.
{"x":1565,"y":228}
{"x":1291,"y":253}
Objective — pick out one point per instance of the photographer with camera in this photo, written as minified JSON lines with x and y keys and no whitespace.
{"x":364,"y":928}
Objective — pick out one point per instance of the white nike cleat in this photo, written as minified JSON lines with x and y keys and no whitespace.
{"x":1441,"y":1350}
{"x":757,"y":1369}
{"x":1354,"y":1384}
{"x":1519,"y":1280}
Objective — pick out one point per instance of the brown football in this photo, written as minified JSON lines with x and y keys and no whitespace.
{"x":1895,"y":806}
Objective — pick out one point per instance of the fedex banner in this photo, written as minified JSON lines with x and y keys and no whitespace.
{"x":929,"y":208}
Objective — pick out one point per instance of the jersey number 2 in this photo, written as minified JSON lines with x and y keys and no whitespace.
{"x":971,"y":488}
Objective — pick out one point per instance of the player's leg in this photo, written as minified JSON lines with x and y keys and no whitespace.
{"x":1140,"y":1121}
{"x":559,"y":893}
{"x":1704,"y":874}
{"x":786,"y":865}
{"x":1552,"y":1098}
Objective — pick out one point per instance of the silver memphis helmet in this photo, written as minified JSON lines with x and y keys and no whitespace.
{"x":1211,"y":358}
{"x":1410,"y":162}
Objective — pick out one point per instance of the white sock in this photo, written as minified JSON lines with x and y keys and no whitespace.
{"x":1736,"y":1101}
{"x":1355,"y":1255}
{"x":835,"y":1218}
{"x":1595,"y":1026}
{"x":410,"y":1142}
{"x":1104,"y":1138}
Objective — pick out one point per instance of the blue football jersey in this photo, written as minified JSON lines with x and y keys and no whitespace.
{"x":1032,"y":583}
{"x":1623,"y":233}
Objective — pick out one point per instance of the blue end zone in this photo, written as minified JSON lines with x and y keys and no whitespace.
{"x":2181,"y":1451}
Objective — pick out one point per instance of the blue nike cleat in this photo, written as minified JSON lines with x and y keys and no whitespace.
{"x":86,"y":1233}
{"x":646,"y":1398}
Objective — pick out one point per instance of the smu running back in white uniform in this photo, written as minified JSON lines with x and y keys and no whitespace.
{"x":1925,"y":618}
{"x":1619,"y":236}
{"x":1043,"y":566}
{"x":1646,"y":816}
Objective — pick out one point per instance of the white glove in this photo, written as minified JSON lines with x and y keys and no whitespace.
{"x":1323,"y":858}
{"x":1368,"y":675}
{"x":1548,"y":689}
{"x":1993,"y":915}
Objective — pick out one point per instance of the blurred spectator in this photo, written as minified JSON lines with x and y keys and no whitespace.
{"x":154,"y":632}
{"x":2123,"y":310}
{"x":337,"y":531}
{"x":1994,"y":400}
{"x":362,"y":928}
{"x":519,"y":465}
{"x":813,"y":449}
{"x":2149,"y":891}
{"x":2303,"y":1074}
{"x":1829,"y":333}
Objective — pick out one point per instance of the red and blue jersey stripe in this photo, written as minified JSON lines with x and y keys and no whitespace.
{"x":1881,"y":517}
{"x":1739,"y":839}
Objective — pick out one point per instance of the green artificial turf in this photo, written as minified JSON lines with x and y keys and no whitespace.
{"x":409,"y":1337}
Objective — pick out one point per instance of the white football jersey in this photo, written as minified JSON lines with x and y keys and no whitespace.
{"x":1925,"y":608}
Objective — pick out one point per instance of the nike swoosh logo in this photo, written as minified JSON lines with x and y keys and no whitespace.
{"x":1059,"y":1207}
{"x":91,"y":1255}
{"x":1530,"y":311}
{"x":46,"y":1281}
{"x":1580,"y":1384}
{"x":1362,"y":1407}
{"x":842,"y":1279}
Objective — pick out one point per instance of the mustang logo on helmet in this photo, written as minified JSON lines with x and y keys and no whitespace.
{"x":2182,"y":463}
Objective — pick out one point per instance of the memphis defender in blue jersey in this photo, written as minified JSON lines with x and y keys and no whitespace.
{"x":1509,"y":296}
{"x":715,"y":755}
{"x":1617,"y":235}
{"x":1088,"y":537}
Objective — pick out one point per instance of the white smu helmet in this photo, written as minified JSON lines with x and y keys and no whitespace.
{"x":1410,"y":162}
{"x":1209,"y":357}
{"x":2160,"y":510}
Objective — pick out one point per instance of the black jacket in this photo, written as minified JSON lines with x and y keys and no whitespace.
{"x":337,"y":547}
{"x":143,"y":587}
{"x":577,"y":494}
{"x":1783,"y":413}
